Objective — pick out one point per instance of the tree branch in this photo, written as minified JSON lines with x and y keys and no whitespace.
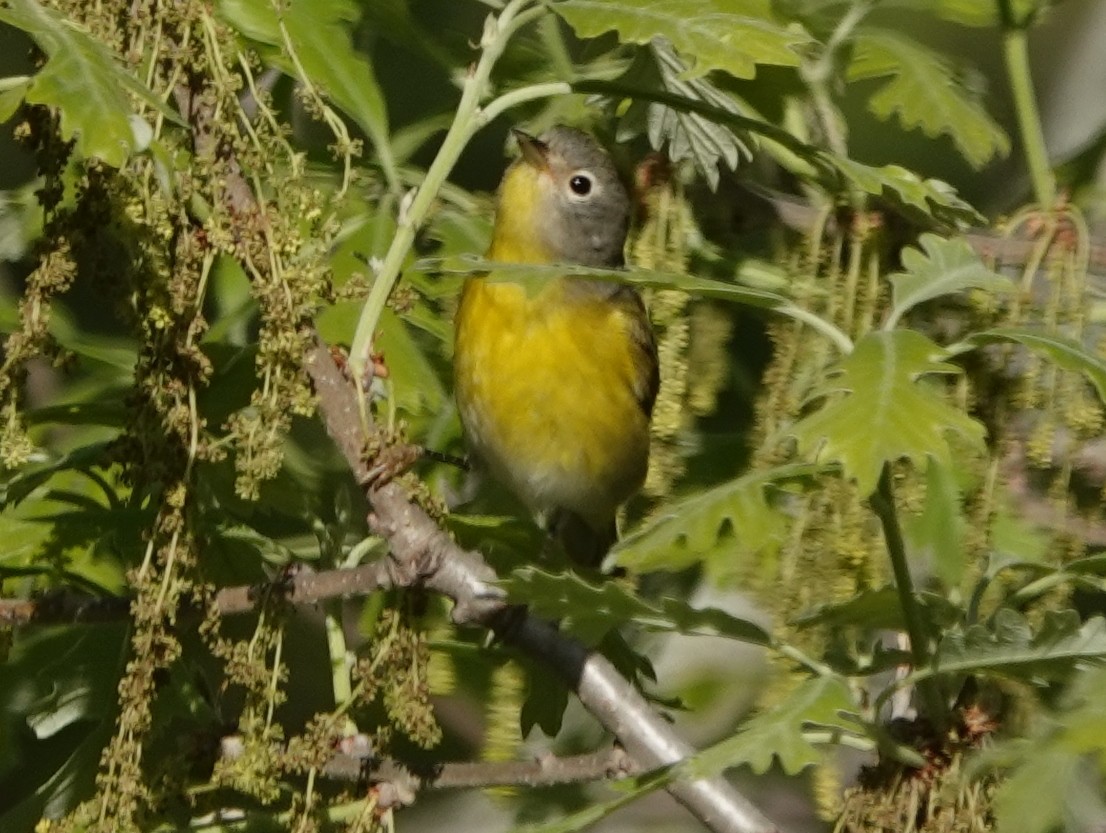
{"x":544,"y":771}
{"x":423,"y":553}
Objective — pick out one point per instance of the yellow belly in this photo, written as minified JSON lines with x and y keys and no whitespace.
{"x":544,"y":383}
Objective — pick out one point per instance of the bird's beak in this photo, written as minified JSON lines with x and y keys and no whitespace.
{"x":534,"y":150}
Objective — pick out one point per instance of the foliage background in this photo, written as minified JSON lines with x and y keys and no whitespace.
{"x":170,"y":443}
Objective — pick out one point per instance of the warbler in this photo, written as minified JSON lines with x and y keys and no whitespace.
{"x":555,"y":383}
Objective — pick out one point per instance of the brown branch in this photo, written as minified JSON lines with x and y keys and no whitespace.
{"x":545,"y":771}
{"x":303,"y":588}
{"x":422,"y":553}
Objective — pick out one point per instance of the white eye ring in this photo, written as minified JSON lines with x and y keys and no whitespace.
{"x":581,"y":185}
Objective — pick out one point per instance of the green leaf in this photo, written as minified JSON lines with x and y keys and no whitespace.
{"x":545,"y":703}
{"x":877,"y":410}
{"x":686,"y":532}
{"x":1066,"y":352}
{"x":12,"y":92}
{"x":936,"y":536}
{"x":686,"y":134}
{"x":729,"y":35}
{"x":778,"y":733}
{"x":593,"y":812}
{"x":964,"y":12}
{"x":942,"y":267}
{"x":1008,"y":647}
{"x":1033,"y":798}
{"x":536,"y":274}
{"x":931,"y":197}
{"x":1052,"y":780}
{"x":319,"y":34}
{"x":925,"y":93}
{"x":418,"y":389}
{"x":61,"y":675}
{"x":19,"y":484}
{"x":591,"y":610}
{"x":878,"y":609}
{"x":85,"y":82}
{"x":975,"y":13}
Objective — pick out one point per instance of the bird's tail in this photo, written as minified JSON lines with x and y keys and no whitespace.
{"x":583,"y":543}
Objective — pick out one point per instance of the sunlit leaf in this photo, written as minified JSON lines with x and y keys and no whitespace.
{"x":942,"y":267}
{"x":12,"y":92}
{"x":877,"y":410}
{"x":936,"y":536}
{"x":931,"y":197}
{"x":1066,"y":352}
{"x":729,"y":35}
{"x":778,"y":733}
{"x":685,"y":532}
{"x":924,"y":92}
{"x":84,"y":81}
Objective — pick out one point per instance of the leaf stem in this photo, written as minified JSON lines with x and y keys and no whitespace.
{"x":466,"y":121}
{"x":336,"y":648}
{"x":818,"y":72}
{"x":826,"y":328}
{"x":1015,"y":52}
{"x":883,"y":504}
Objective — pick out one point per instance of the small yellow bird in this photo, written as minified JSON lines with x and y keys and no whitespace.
{"x":555,"y":384}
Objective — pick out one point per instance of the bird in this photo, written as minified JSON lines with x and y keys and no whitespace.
{"x":555,"y":380}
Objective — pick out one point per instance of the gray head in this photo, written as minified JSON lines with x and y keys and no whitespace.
{"x":568,"y":190}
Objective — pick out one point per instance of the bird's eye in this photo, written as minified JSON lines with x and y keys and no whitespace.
{"x":580,"y":185}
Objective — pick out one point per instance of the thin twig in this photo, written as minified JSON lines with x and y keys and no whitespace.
{"x":544,"y":771}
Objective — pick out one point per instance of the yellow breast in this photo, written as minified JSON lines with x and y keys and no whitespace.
{"x":545,"y":386}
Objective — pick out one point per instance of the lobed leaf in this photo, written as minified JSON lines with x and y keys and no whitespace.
{"x":687,"y":135}
{"x":1008,"y":646}
{"x":931,"y":197}
{"x":83,"y":80}
{"x":729,"y":35}
{"x":1052,"y":780}
{"x":925,"y":93}
{"x":591,"y":610}
{"x":942,"y":267}
{"x":778,"y":733}
{"x":877,"y":411}
{"x":686,"y":532}
{"x":1066,"y":352}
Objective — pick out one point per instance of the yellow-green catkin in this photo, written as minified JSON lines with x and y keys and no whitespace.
{"x":441,"y":671}
{"x":688,"y":334}
{"x":834,"y":546}
{"x":1048,"y":415}
{"x":503,"y":736}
